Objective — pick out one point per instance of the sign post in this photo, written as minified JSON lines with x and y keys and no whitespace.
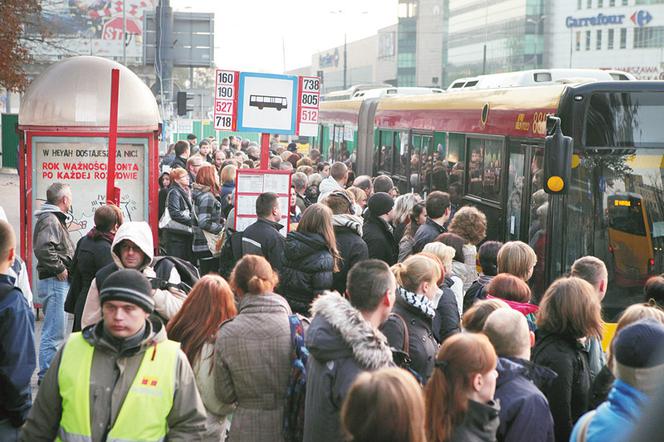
{"x":112,"y":192}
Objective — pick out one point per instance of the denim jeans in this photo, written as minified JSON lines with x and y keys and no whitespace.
{"x":8,"y":433}
{"x":53,"y":293}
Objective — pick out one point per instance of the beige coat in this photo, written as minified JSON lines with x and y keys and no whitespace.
{"x":253,"y":360}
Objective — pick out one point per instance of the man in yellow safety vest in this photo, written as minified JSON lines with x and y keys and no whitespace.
{"x":120,"y":379}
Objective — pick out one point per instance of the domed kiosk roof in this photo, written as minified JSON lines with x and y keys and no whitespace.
{"x":76,"y":92}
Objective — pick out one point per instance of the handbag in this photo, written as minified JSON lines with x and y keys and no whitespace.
{"x":169,"y":224}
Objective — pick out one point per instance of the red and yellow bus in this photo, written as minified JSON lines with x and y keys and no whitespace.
{"x":485,"y":147}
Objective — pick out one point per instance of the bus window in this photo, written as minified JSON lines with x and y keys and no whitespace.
{"x":537,"y":221}
{"x":456,"y":158}
{"x":484,"y":168}
{"x":515,"y":184}
{"x":402,"y":154}
{"x":385,"y":152}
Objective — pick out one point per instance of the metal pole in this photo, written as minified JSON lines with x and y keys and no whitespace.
{"x":124,"y":32}
{"x":570,"y":48}
{"x":345,"y":61}
{"x":113,"y":193}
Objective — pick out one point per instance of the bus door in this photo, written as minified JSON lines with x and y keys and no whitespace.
{"x":402,"y":156}
{"x":337,"y":141}
{"x":524,"y":193}
{"x":483,"y":180}
{"x":421,"y":162}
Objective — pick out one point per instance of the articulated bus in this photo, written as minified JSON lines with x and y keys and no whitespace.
{"x":486,"y":147}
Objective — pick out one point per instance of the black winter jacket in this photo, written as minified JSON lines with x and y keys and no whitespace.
{"x":447,"y":320}
{"x":352,"y":249}
{"x":426,"y":233}
{"x":476,"y":291}
{"x":569,"y":394}
{"x":307,"y":270}
{"x":179,"y":206}
{"x":263,"y":238}
{"x":380,"y":240}
{"x":51,"y":242}
{"x":93,"y":252}
{"x":524,"y":411}
{"x":479,"y":423}
{"x":341,"y":345}
{"x":422,"y":346}
{"x":179,"y":162}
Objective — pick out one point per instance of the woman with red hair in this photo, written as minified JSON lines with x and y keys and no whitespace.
{"x":195,"y":326}
{"x":459,"y":394}
{"x":516,"y":293}
{"x":207,"y":219}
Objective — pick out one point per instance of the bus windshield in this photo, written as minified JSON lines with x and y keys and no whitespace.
{"x":625,"y":119}
{"x":626,"y":214}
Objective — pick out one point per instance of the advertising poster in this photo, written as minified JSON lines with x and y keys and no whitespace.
{"x":83,"y":165}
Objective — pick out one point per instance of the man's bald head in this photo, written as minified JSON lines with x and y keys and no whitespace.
{"x":508,"y":331}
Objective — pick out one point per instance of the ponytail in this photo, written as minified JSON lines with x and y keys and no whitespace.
{"x":254,"y":275}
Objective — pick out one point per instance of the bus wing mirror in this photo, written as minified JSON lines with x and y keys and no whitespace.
{"x":558,"y":150}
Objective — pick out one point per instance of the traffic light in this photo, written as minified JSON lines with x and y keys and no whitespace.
{"x":181,"y":101}
{"x":558,"y":150}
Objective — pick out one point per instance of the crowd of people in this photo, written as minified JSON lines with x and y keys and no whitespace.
{"x":370,"y":320}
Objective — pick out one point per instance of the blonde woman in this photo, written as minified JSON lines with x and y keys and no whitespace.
{"x":310,"y":258}
{"x":451,"y":282}
{"x":410,"y":326}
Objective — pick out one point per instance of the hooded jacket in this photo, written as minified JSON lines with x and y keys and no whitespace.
{"x":51,"y":243}
{"x":327,"y":186}
{"x":569,"y":393}
{"x":351,"y":247}
{"x":167,"y":302}
{"x":422,"y":345}
{"x":307,"y":270}
{"x":524,"y":411}
{"x":341,"y":344}
{"x":615,"y":419}
{"x":114,"y":367}
{"x":476,"y":291}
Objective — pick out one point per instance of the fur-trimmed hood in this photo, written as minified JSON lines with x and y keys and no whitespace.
{"x":338,"y":331}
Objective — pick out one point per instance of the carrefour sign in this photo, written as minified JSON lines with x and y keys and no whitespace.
{"x":638,"y":18}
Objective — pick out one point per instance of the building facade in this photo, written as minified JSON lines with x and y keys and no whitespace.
{"x":627,"y":35}
{"x":485,"y":37}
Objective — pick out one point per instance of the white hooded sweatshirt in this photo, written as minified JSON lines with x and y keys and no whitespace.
{"x":167,"y":302}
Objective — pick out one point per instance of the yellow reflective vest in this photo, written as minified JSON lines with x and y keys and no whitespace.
{"x":144,"y":412}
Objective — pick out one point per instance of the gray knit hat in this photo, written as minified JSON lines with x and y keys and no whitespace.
{"x":128,"y":285}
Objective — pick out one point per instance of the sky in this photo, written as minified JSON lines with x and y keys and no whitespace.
{"x":250,"y":35}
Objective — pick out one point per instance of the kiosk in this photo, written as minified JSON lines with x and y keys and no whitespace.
{"x":64,"y":125}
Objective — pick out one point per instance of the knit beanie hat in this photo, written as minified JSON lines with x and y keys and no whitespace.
{"x":638,"y":350}
{"x":128,"y":285}
{"x":380,"y":203}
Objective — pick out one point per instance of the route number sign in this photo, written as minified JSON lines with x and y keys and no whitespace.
{"x":225,"y":100}
{"x":309,"y":100}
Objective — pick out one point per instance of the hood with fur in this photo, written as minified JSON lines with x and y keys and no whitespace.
{"x":343,"y":332}
{"x":139,"y":233}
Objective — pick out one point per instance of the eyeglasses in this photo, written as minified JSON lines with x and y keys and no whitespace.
{"x":126,"y":247}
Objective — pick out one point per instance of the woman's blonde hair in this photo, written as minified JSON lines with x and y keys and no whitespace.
{"x":516,"y":258}
{"x":317,"y":218}
{"x":632,"y":314}
{"x":444,"y":252}
{"x":403,"y":205}
{"x":470,"y":224}
{"x":253,"y":275}
{"x":227,"y":174}
{"x":570,"y":307}
{"x":396,"y":403}
{"x":414,"y":271}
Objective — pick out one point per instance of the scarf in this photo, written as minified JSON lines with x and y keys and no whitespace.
{"x":353,"y":222}
{"x":96,"y":234}
{"x":524,"y":308}
{"x":419,"y":302}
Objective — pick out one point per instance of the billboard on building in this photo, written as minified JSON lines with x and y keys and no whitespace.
{"x":93,"y":27}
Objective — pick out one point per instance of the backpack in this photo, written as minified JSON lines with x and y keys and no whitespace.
{"x":163,"y":265}
{"x":293,"y":421}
